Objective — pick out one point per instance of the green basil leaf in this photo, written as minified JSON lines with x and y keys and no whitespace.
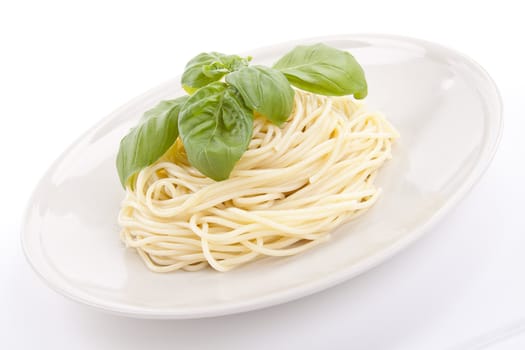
{"x":215,"y":127}
{"x":265,"y":90}
{"x":208,"y":67}
{"x":148,"y":141}
{"x":324,"y":70}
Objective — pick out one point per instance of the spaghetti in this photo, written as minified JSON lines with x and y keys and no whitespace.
{"x":293,"y":185}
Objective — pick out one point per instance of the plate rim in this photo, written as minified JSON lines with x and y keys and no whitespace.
{"x":311,"y":286}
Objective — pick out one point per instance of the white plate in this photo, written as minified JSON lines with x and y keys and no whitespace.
{"x":445,"y":106}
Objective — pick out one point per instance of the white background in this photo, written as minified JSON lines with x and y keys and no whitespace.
{"x":65,"y":65}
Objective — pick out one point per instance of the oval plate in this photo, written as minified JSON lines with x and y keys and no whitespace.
{"x":445,"y":106}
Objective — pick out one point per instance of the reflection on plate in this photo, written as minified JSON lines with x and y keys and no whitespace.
{"x":445,"y":106}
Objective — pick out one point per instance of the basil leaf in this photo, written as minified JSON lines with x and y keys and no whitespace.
{"x":216,"y":128}
{"x":265,"y":90}
{"x":148,"y":141}
{"x":208,"y":67}
{"x":324,"y":70}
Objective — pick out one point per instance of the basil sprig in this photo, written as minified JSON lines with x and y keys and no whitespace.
{"x":215,"y":123}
